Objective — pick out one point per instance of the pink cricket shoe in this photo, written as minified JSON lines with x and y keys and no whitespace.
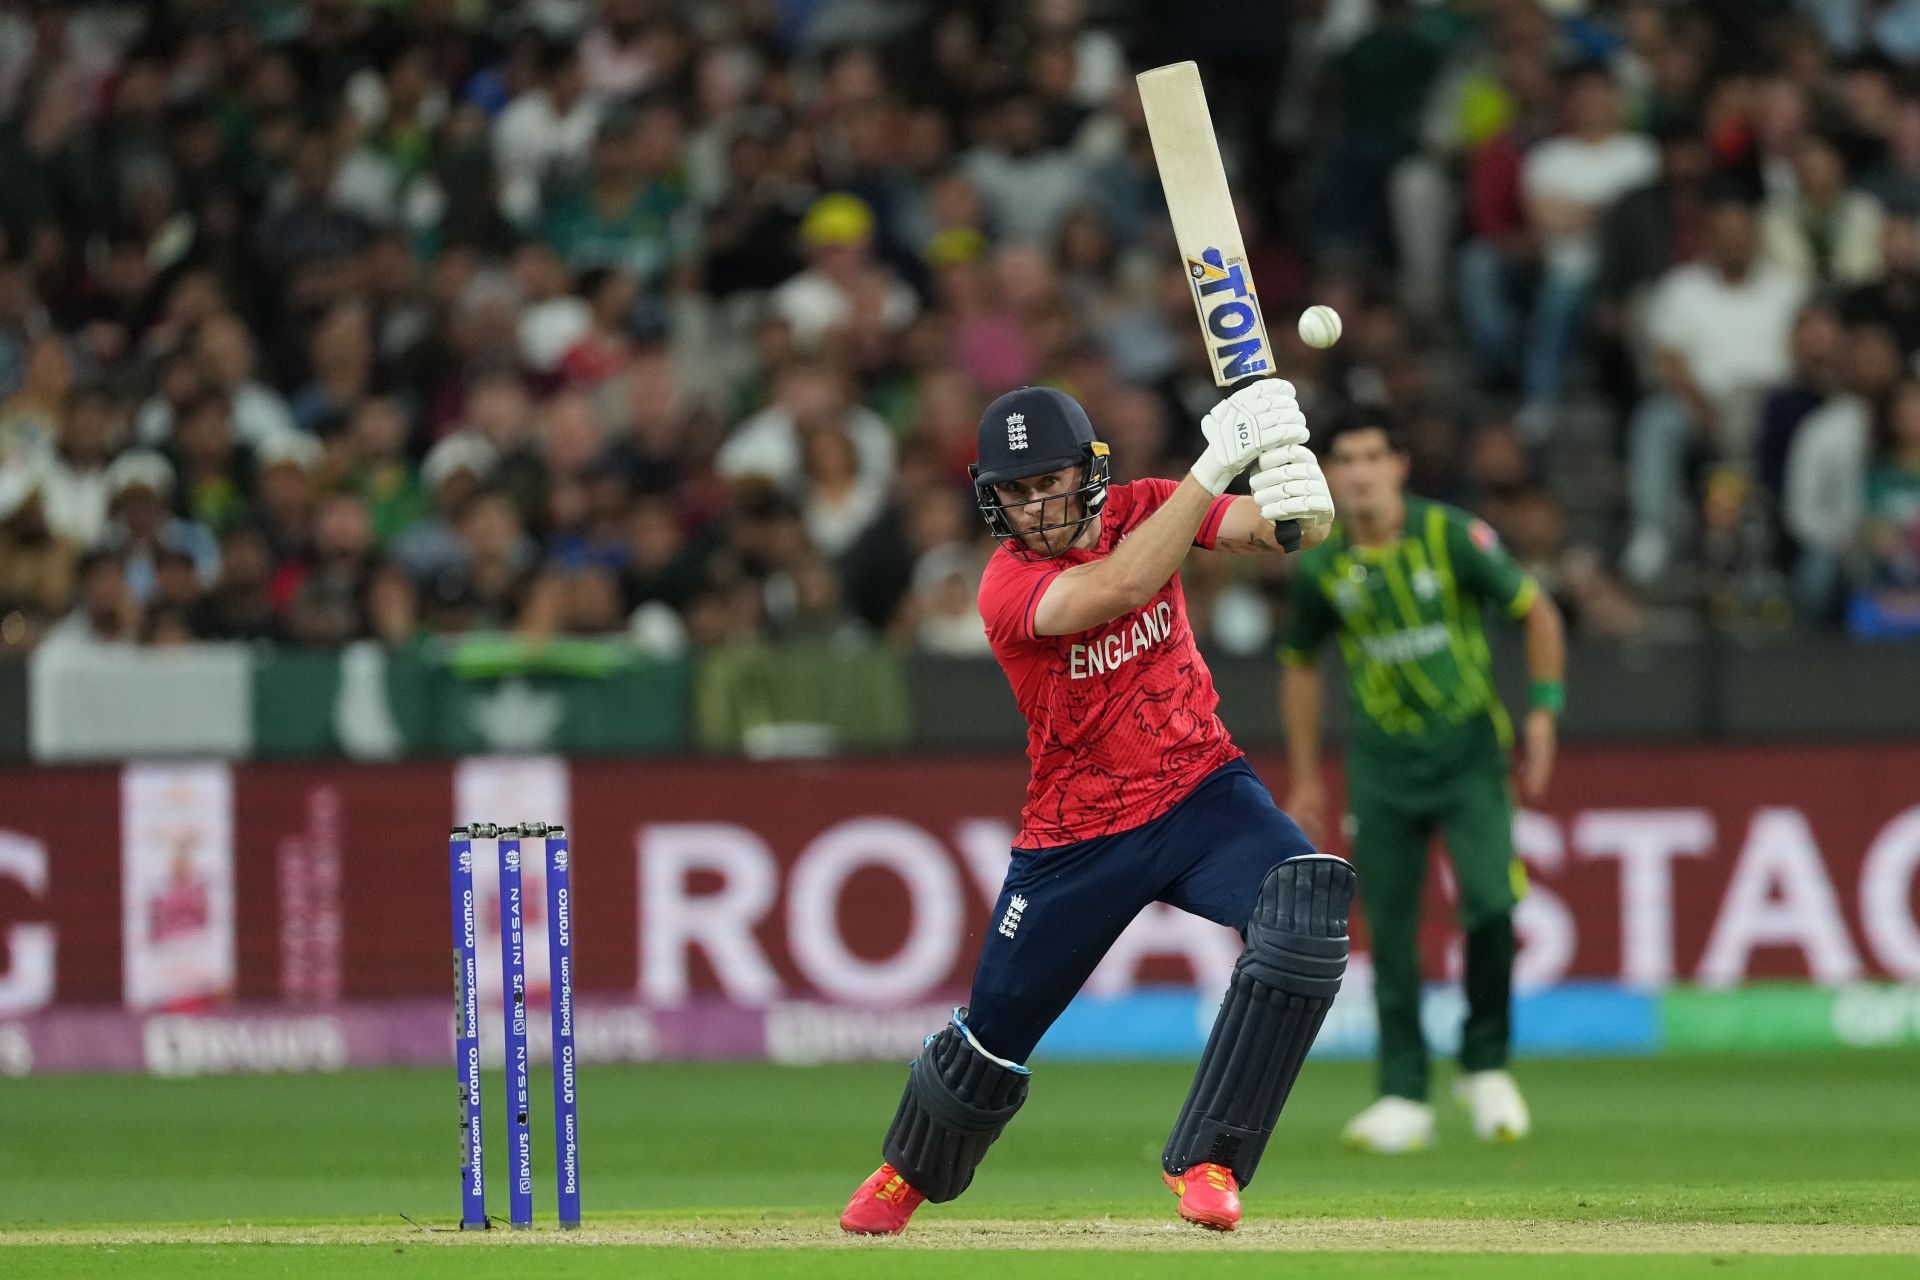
{"x":1208,"y":1195}
{"x":883,"y":1204}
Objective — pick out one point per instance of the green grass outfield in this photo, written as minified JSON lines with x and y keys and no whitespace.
{"x":1735,"y":1166}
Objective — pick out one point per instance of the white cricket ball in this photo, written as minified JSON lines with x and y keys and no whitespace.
{"x":1320,"y":326}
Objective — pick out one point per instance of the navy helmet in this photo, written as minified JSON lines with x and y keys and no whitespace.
{"x":1030,"y":432}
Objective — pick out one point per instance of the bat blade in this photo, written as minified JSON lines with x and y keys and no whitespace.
{"x":1204,"y":226}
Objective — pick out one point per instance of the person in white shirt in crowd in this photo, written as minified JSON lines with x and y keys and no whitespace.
{"x":1027,"y":186}
{"x":1826,"y":232}
{"x":767,"y":446}
{"x":1824,"y":492}
{"x":30,"y":417}
{"x":552,"y":316}
{"x":1099,"y":59}
{"x":1857,"y":27}
{"x":1720,"y":329}
{"x":840,"y":501}
{"x":942,"y":611}
{"x":454,"y":473}
{"x":615,"y":53}
{"x":1569,"y":183}
{"x":227,"y":362}
{"x":546,"y":130}
{"x":142,"y":527}
{"x":838,"y":233}
{"x":104,"y":611}
{"x":73,"y":477}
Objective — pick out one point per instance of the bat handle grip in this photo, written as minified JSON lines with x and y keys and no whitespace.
{"x":1287,"y":533}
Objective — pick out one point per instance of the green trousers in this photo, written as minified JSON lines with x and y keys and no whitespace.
{"x":1396,"y":804}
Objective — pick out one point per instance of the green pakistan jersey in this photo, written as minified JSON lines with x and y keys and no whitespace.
{"x":1407,"y":615}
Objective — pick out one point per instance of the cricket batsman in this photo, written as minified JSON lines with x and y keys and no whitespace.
{"x":1402,"y":583}
{"x":1137,"y":795}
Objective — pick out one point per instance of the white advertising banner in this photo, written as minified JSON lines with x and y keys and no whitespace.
{"x":176,"y":878}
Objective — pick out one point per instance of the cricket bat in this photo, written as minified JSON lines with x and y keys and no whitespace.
{"x":1207,"y":233}
{"x":1204,"y":226}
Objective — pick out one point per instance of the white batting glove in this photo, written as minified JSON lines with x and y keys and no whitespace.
{"x":1259,"y":417}
{"x":1289,"y":485}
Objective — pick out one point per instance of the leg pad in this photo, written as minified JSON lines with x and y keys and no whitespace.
{"x":958,"y":1099}
{"x":1283,"y":984}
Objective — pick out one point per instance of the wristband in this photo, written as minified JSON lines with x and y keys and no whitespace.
{"x":1548,"y":695}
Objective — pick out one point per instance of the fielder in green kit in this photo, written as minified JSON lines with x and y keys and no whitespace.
{"x":1402,"y":583}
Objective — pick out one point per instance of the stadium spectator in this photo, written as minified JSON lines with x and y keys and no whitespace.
{"x":1892,"y":299}
{"x":30,"y":417}
{"x":140,"y":528}
{"x":1824,"y":232}
{"x":1649,"y":230}
{"x":1568,"y":185}
{"x":1895,"y":181}
{"x":544,"y":134}
{"x":228,"y":359}
{"x":74,"y":471}
{"x":1027,"y":184}
{"x":327,"y":601}
{"x":1825,"y":481}
{"x":625,"y":266}
{"x":553,"y":316}
{"x":240,"y":606}
{"x":340,"y":356}
{"x":1720,"y":329}
{"x":838,"y":233}
{"x":104,"y":611}
{"x":1888,"y":602}
{"x":1817,"y":350}
{"x":770,"y":445}
{"x":376,"y":469}
{"x":37,"y":566}
{"x":941,"y":613}
{"x":1382,"y":79}
{"x":630,"y":207}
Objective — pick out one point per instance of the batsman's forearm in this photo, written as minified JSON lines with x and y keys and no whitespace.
{"x":1245,"y":529}
{"x":1546,"y":641}
{"x":1300,"y":713}
{"x":1153,"y":553}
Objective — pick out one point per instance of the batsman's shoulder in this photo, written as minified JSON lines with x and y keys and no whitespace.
{"x":1005,"y":568}
{"x":1146,"y":495}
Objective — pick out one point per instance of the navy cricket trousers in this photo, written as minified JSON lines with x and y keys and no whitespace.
{"x":1061,"y":909}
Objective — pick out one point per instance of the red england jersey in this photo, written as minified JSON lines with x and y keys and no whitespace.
{"x":1120,"y":719}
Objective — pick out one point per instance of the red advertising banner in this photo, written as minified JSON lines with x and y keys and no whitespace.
{"x":871,"y":881}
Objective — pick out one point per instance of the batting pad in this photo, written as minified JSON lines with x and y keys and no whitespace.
{"x":1283,"y":984}
{"x":958,"y":1099}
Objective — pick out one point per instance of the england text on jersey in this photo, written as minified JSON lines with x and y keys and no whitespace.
{"x":1123,"y":643}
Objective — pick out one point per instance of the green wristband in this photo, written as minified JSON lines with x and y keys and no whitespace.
{"x":1549,"y":695}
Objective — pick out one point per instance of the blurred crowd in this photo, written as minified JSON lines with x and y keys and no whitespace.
{"x":339,"y":320}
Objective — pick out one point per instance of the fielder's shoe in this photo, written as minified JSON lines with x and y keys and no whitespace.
{"x":1391,"y":1126}
{"x":1493,"y":1101}
{"x":1208,"y":1195}
{"x":882,"y":1205}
